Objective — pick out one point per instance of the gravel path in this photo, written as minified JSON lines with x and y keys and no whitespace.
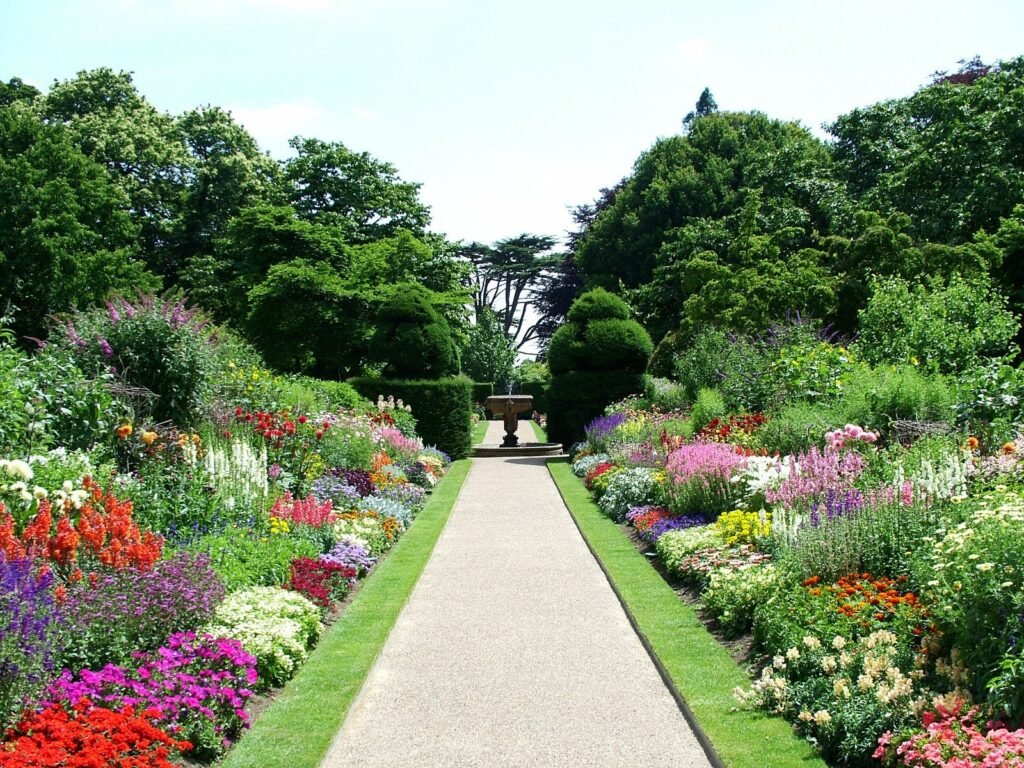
{"x":513,"y":650}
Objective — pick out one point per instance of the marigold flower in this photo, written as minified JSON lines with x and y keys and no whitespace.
{"x":972,"y":443}
{"x":1009,"y":448}
{"x":148,"y":437}
{"x":123,"y":431}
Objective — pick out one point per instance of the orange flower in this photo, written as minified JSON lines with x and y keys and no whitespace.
{"x":1009,"y":448}
{"x":972,"y":443}
{"x":149,"y":437}
{"x":123,"y":431}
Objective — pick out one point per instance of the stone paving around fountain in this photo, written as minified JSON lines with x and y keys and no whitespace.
{"x":513,"y":650}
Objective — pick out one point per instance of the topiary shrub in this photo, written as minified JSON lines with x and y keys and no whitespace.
{"x":412,"y":340}
{"x":596,"y":358}
{"x":442,"y":407}
{"x":482,"y":390}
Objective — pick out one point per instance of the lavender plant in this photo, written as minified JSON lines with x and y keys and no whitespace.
{"x":29,"y":636}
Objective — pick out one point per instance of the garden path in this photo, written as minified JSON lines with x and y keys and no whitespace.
{"x":513,"y":649}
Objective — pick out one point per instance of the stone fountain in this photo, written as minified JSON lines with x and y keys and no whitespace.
{"x":509,"y":407}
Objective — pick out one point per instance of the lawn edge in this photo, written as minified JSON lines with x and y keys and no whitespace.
{"x":674,"y":636}
{"x":297,"y":730}
{"x":480,"y":431}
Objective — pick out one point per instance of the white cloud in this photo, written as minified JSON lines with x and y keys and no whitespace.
{"x":274,"y":125}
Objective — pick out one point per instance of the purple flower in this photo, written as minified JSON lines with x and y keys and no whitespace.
{"x":200,"y":685}
{"x":105,"y":348}
{"x":601,"y":427}
{"x":115,"y":317}
{"x":351,"y":555}
{"x":359,"y":479}
{"x":29,"y":634}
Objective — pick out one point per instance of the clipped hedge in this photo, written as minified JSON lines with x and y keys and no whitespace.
{"x":578,"y":397}
{"x":442,"y":407}
{"x":482,"y":390}
{"x":538,"y":390}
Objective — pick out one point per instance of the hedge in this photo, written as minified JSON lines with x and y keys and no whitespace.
{"x":442,"y":408}
{"x":482,"y":390}
{"x":539,"y":391}
{"x":578,"y":397}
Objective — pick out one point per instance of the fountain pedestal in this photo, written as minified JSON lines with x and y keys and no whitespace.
{"x":510,"y":406}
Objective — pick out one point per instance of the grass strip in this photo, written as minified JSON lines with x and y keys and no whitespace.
{"x":298,"y":728}
{"x":540,"y":434}
{"x":694,"y":664}
{"x":479,"y":431}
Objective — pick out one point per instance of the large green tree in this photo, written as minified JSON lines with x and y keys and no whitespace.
{"x":951,"y":155}
{"x":142,"y":149}
{"x":66,"y":239}
{"x":353,"y":191}
{"x":705,"y":175}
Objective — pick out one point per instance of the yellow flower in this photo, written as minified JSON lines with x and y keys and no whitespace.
{"x":149,"y":437}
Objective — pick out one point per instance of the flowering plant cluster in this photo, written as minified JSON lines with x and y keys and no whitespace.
{"x":124,"y":737}
{"x":309,"y":511}
{"x":322,"y":581}
{"x":738,"y":429}
{"x":198,"y":684}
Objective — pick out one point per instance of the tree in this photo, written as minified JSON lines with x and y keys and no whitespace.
{"x":949,"y":155}
{"x":489,"y":355}
{"x":705,"y":175}
{"x":411,"y":340}
{"x":15,"y":90}
{"x":65,"y":239}
{"x":706,"y":105}
{"x":362,"y":196}
{"x":304,"y":318}
{"x":227,"y":172}
{"x":142,"y":149}
{"x":506,"y":278}
{"x":257,"y":239}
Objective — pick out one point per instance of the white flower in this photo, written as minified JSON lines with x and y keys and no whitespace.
{"x":812,"y":642}
{"x":822,"y":717}
{"x":20,"y":469}
{"x":839,"y":642}
{"x":792,"y":654}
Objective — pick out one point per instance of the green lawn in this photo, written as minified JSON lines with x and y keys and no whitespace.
{"x":479,"y":432}
{"x":700,"y":669}
{"x":540,"y":433}
{"x":297,"y":729}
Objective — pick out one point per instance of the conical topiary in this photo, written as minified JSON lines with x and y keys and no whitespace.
{"x":412,"y":340}
{"x":597,"y":357}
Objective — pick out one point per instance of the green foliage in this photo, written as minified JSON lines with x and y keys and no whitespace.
{"x":973,"y":583}
{"x":596,"y":358}
{"x":442,"y":407}
{"x":941,"y":155}
{"x":345,"y":447}
{"x":360,"y":196}
{"x":796,"y":427}
{"x":597,"y":304}
{"x":667,"y":395}
{"x":708,"y":406}
{"x":988,"y":402}
{"x":13,"y":418}
{"x":732,"y":596}
{"x":489,"y":354}
{"x":875,"y":397}
{"x":947,"y":327}
{"x":617,"y":345}
{"x":578,"y":397}
{"x":481,"y":391}
{"x":246,"y":558}
{"x":411,"y":339}
{"x":65,"y":239}
{"x":156,"y":344}
{"x":304,"y":318}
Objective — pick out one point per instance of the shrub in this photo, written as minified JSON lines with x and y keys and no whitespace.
{"x":674,"y":546}
{"x":154,"y":343}
{"x":667,"y":395}
{"x":198,"y":684}
{"x":732,"y":595}
{"x":709,"y":406}
{"x":29,"y":636}
{"x":877,"y":397}
{"x":121,"y":737}
{"x":110,"y":616}
{"x":412,"y":340}
{"x":275,"y":625}
{"x":973,"y":581}
{"x":443,"y":408}
{"x":482,"y":390}
{"x":796,"y":427}
{"x":246,"y":558}
{"x":596,"y":358}
{"x":946,"y":327}
{"x":632,"y":488}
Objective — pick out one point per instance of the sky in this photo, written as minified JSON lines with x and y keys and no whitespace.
{"x":507,"y":112}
